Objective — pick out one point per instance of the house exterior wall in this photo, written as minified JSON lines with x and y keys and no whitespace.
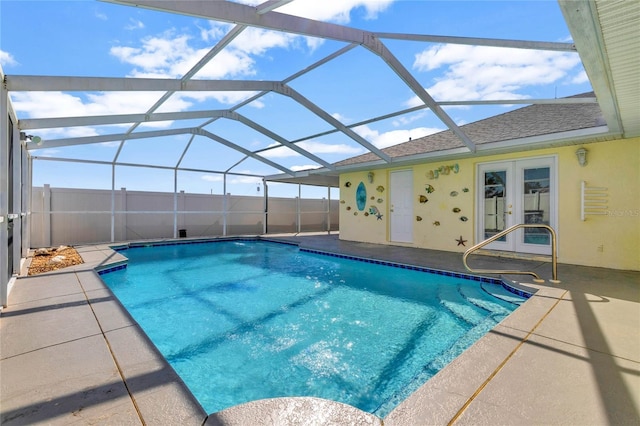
{"x":610,"y":240}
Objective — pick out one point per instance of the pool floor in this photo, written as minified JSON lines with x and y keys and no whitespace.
{"x":229,"y":314}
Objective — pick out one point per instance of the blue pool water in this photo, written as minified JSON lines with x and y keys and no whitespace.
{"x":246,"y":320}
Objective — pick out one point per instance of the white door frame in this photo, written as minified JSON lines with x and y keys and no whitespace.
{"x":401,"y":206}
{"x":512,"y":208}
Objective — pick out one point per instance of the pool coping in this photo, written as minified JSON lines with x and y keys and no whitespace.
{"x":449,"y":390}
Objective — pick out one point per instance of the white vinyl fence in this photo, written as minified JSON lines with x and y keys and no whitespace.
{"x":87,"y":216}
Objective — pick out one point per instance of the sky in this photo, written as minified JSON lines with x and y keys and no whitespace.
{"x":94,"y":38}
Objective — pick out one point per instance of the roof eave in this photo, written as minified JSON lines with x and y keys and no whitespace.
{"x":573,"y":137}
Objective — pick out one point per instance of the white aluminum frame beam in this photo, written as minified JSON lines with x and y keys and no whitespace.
{"x":98,"y":120}
{"x":46,"y":123}
{"x":153,"y":134}
{"x":491,"y":42}
{"x":270,"y":5}
{"x":238,"y":13}
{"x":37,"y":83}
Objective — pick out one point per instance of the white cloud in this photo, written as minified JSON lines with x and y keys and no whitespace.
{"x":341,"y":118}
{"x":134,"y":24}
{"x":171,"y":55}
{"x":156,"y":54}
{"x":256,"y":41}
{"x":7,"y":58}
{"x":45,"y":152}
{"x":403,"y":121}
{"x":307,"y":167}
{"x":580,"y":78}
{"x":243,"y":179}
{"x":481,"y":72}
{"x":394,"y":137}
{"x":233,"y":179}
{"x":334,"y":11}
{"x":313,"y":147}
{"x":59,"y":104}
{"x":212,"y":178}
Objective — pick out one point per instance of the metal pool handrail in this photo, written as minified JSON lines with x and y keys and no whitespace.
{"x":536,"y":278}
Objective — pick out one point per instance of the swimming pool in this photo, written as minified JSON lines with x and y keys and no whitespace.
{"x":246,"y":320}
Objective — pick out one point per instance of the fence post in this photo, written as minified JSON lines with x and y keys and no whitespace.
{"x":266,"y":207}
{"x":299,"y":207}
{"x":225,"y":207}
{"x":46,"y":215}
{"x":181,"y":208}
{"x":328,"y":210}
{"x":123,"y":215}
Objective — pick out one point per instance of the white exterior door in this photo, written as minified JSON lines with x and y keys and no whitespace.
{"x":512,"y":192}
{"x":401,"y":206}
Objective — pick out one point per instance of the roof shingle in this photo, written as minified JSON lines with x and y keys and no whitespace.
{"x":533,"y":120}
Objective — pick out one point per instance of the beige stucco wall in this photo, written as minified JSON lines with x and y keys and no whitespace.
{"x":611,"y":240}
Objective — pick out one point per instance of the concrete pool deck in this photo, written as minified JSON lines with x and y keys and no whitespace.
{"x":69,"y":353}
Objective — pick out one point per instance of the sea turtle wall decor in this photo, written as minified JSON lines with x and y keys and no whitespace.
{"x":443,"y":170}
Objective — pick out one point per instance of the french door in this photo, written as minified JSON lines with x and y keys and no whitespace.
{"x":513,"y":192}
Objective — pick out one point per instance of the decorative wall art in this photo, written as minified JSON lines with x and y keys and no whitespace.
{"x":423,"y":199}
{"x":374,"y":211}
{"x":443,"y":170}
{"x":347,"y":184}
{"x":361,"y":196}
{"x":370,"y":176}
{"x":419,"y":218}
{"x":380,"y":188}
{"x":429,"y":189}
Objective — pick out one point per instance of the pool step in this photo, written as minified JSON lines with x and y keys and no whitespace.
{"x":498,"y":291}
{"x":477,"y":296}
{"x":441,"y":361}
{"x":451,"y":298}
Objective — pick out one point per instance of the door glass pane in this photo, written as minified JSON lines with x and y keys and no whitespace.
{"x":495,"y":186}
{"x":536,"y":204}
